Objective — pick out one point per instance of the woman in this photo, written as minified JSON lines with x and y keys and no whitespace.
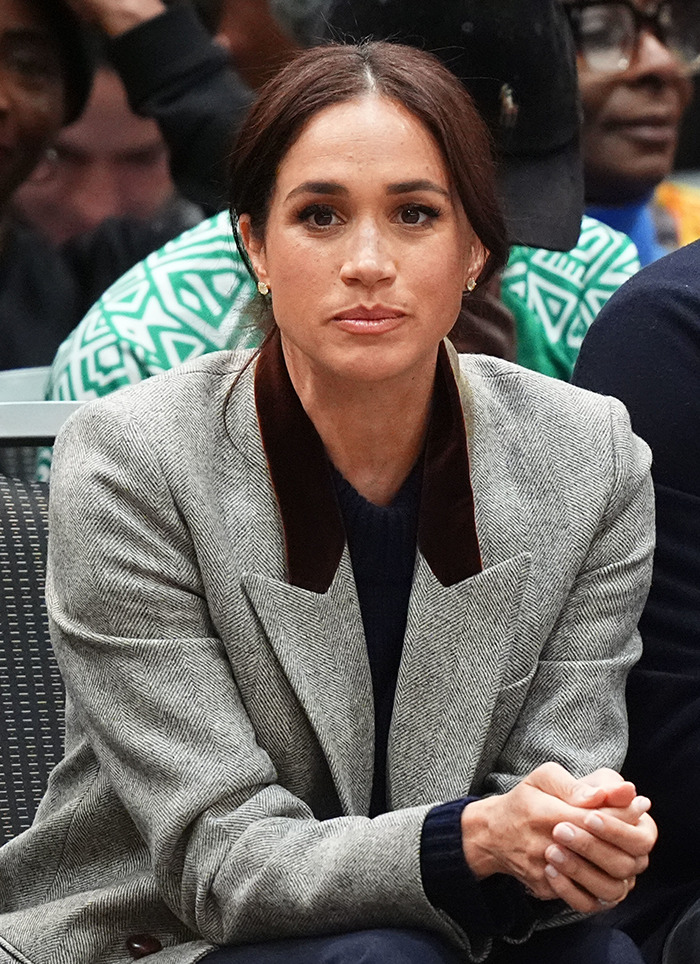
{"x":331,"y":753}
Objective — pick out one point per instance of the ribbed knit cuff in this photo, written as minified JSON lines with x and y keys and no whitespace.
{"x":163,"y":52}
{"x":494,"y":907}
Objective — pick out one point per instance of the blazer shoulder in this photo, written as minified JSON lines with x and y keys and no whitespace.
{"x":189,"y":390}
{"x":565,"y":424}
{"x":530,"y":393}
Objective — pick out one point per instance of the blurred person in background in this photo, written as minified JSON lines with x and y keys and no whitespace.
{"x":198,"y":91}
{"x":109,"y":163}
{"x":644,"y":349}
{"x":45,"y":78}
{"x":44,"y":83}
{"x":261,"y":36}
{"x":635,"y":61}
{"x":44,"y":289}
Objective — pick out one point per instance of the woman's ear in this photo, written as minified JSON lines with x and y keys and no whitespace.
{"x":254,"y":246}
{"x":477,"y":259}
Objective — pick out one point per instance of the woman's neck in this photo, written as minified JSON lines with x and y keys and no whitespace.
{"x":373,"y":432}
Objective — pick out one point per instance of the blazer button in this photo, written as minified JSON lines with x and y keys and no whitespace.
{"x":141,"y":945}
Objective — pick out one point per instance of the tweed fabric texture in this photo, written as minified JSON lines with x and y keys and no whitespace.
{"x":219,"y":742}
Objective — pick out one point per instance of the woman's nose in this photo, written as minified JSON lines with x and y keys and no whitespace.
{"x":654,"y":57}
{"x":368,"y":260}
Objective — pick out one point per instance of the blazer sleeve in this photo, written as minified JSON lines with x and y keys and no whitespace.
{"x":575,"y":709}
{"x":236,"y":856}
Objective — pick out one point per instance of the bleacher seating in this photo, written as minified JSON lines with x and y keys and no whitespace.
{"x":31,"y":690}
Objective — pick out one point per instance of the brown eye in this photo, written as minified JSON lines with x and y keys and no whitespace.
{"x":411,"y":215}
{"x":318,"y":216}
{"x":417,"y":214}
{"x":322,"y":218}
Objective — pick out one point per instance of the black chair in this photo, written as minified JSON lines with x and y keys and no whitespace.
{"x":31,"y":690}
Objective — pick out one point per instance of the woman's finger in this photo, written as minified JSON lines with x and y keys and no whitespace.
{"x":553,"y":779}
{"x":636,"y":839}
{"x":613,"y":859}
{"x":587,"y":876}
{"x":569,"y":891}
{"x":628,"y":813}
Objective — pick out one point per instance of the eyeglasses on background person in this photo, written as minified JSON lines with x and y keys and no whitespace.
{"x":607,"y":34}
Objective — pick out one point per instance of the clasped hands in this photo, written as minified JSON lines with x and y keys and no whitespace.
{"x":583,"y":841}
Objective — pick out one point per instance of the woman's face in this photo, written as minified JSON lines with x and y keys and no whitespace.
{"x":367,"y":249}
{"x":32,"y":92}
{"x":631,"y":121}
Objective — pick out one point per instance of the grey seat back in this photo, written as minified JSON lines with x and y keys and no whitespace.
{"x":31,"y":690}
{"x":26,"y":420}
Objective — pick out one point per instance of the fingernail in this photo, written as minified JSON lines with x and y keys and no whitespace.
{"x":594,"y":821}
{"x":641,"y":804}
{"x":555,"y":854}
{"x":585,"y":793}
{"x":551,"y":871}
{"x":564,"y":832}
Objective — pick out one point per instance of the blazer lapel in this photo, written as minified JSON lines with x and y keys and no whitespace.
{"x":459,"y":636}
{"x":457,"y":641}
{"x":326,"y":664}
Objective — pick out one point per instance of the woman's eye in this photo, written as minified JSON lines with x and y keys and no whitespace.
{"x":319,"y":216}
{"x":417,"y":214}
{"x":33,"y":62}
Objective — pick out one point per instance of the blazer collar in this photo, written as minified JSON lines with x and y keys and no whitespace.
{"x":300,"y":473}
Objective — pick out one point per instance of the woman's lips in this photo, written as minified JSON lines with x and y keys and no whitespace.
{"x":373,"y":320}
{"x":651,"y":129}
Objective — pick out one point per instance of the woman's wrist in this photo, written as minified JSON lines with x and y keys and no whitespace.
{"x":476,"y":836}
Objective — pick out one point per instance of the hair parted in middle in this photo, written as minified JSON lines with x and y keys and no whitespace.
{"x":335,"y":73}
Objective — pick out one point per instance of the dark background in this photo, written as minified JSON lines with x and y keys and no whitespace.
{"x":689,"y":151}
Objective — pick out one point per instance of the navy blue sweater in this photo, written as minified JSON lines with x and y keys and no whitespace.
{"x":382,"y":544}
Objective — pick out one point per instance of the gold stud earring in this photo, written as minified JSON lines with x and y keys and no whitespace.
{"x":263,"y":288}
{"x":471,"y":284}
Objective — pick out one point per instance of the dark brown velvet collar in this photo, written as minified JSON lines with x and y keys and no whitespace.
{"x":313,"y":527}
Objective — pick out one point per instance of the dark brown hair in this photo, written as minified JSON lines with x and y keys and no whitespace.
{"x":334,"y":73}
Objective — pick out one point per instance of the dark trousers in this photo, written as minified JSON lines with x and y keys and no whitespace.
{"x":583,"y":943}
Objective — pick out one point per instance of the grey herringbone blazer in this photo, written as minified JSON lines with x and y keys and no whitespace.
{"x":219,"y":754}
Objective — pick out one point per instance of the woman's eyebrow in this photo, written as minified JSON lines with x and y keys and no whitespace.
{"x":317,"y":187}
{"x":407,"y":187}
{"x":335,"y":188}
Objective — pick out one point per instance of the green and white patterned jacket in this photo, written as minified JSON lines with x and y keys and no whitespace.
{"x":187,"y":299}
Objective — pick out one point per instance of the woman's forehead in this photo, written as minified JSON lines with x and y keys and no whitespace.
{"x":368,"y":131}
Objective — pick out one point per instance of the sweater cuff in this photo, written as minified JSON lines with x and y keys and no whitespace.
{"x":497,"y":906}
{"x":165,"y":52}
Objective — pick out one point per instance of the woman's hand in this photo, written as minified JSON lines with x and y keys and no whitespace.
{"x":615,"y":838}
{"x":583,"y":841}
